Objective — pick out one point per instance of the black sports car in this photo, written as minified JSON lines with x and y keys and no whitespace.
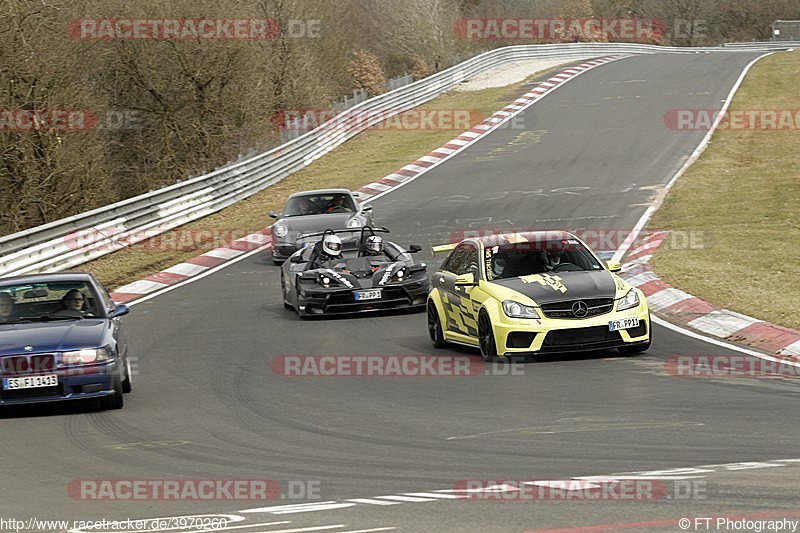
{"x":356,"y":282}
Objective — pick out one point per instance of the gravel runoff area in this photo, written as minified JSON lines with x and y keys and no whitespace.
{"x":511,"y":73}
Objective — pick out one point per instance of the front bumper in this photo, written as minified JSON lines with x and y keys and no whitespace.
{"x":73,"y":384}
{"x":334,"y":301}
{"x":281,"y":251}
{"x":550,"y":336}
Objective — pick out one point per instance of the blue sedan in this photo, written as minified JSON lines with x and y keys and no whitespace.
{"x":61,"y":338}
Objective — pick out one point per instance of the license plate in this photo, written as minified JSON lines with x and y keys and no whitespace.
{"x":30,"y":382}
{"x":368,"y":295}
{"x":625,"y":323}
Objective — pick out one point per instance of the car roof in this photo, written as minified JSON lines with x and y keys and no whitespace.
{"x":524,"y":236}
{"x":321,"y":191}
{"x":46,"y":278}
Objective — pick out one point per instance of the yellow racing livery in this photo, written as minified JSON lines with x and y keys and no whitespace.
{"x":533,"y":293}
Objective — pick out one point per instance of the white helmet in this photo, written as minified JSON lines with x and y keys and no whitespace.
{"x":332,"y":245}
{"x":374,"y":244}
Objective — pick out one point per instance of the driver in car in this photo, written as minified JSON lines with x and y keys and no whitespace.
{"x":337,"y":205}
{"x":6,"y":307}
{"x":331,"y":249}
{"x":72,"y":305}
{"x":551,"y":259}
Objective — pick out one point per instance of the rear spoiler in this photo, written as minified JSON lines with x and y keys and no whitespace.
{"x":444,"y":247}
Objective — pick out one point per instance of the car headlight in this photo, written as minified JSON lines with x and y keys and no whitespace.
{"x":354,"y":223}
{"x":514,"y":309}
{"x":280,"y":230}
{"x":86,"y":356}
{"x":629,"y":300}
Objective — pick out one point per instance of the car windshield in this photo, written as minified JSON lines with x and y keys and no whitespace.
{"x":319,"y":204}
{"x":34,"y":302}
{"x":525,"y":258}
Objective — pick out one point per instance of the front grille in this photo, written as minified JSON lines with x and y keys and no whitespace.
{"x":597,"y":306}
{"x":567,"y":338}
{"x":23,"y":365}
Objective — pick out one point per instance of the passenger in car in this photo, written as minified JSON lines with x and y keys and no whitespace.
{"x":72,"y":304}
{"x":6,"y":307}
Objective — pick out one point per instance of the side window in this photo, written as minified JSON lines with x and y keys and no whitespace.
{"x":470,"y":260}
{"x":454,"y":260}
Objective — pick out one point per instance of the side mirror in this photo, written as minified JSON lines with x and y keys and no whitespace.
{"x":355,"y":194}
{"x":614,"y":266}
{"x":366,"y":207}
{"x":417,"y":268}
{"x":120,"y":310}
{"x":414,"y":248}
{"x":296,"y":259}
{"x":466,"y":280}
{"x":273,"y":214}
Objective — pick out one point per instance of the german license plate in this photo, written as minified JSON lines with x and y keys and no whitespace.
{"x":30,"y":382}
{"x":625,"y":323}
{"x":368,"y":295}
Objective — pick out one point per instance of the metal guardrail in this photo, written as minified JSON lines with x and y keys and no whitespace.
{"x":69,"y":242}
{"x":767,"y":45}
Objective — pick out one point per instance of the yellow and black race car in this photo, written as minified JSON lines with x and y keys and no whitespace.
{"x":533,"y":293}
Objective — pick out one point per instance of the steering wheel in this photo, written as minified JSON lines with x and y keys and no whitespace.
{"x":557,"y":267}
{"x":338,"y":209}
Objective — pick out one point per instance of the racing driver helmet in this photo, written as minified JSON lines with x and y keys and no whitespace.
{"x":332,"y":245}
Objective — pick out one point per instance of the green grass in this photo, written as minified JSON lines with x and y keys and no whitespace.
{"x":364,"y":159}
{"x":744,"y":195}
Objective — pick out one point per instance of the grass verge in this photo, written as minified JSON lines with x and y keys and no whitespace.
{"x":364,"y":159}
{"x":743,"y":194}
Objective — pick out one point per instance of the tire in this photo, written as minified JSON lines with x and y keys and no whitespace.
{"x":435,"y":328}
{"x":486,"y":337}
{"x":127,"y":385}
{"x":286,"y":305}
{"x":115,"y":400}
{"x":277,"y":261}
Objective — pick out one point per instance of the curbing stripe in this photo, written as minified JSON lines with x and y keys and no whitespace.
{"x":685,"y":309}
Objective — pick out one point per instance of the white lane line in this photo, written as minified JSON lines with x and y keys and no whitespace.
{"x":409,"y":499}
{"x":300,"y":530}
{"x":371,"y":501}
{"x":432,"y":495}
{"x":723,"y":344}
{"x":369,"y":530}
{"x":629,"y":240}
{"x":228,"y":528}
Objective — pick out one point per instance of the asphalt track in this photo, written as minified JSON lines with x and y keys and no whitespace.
{"x":207,"y":404}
